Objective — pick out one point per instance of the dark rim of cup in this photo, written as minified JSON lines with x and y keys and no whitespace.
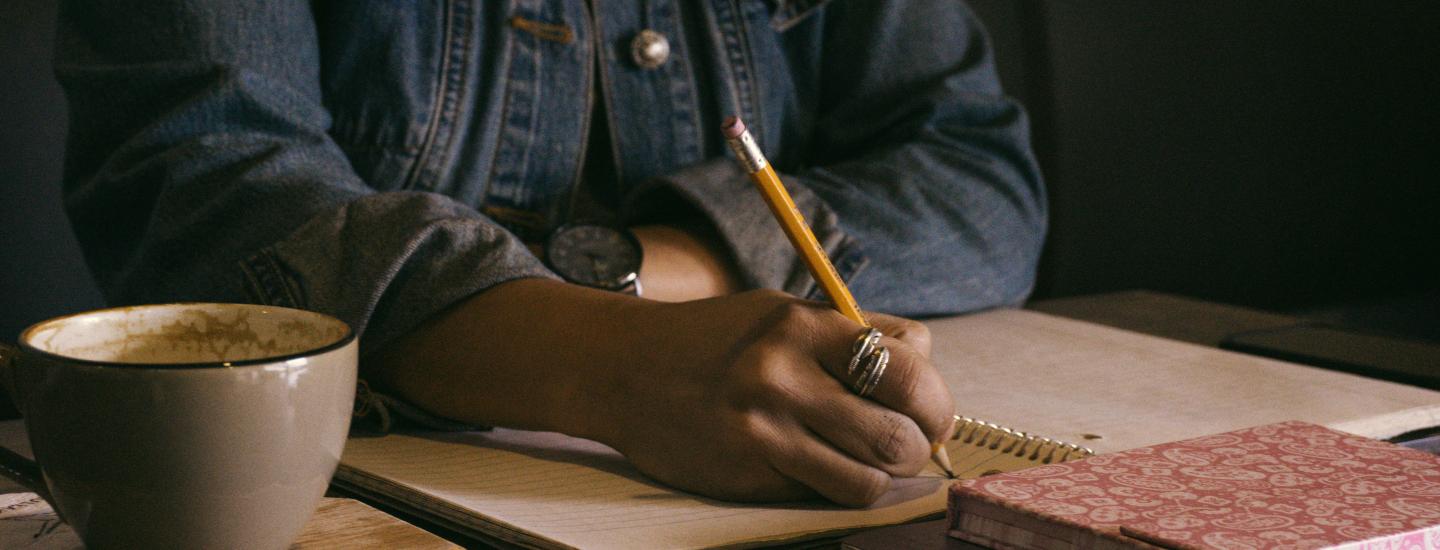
{"x":26,"y":348}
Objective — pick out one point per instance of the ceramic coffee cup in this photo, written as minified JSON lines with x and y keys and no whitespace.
{"x":186,"y":425}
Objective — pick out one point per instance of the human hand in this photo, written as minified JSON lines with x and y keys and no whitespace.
{"x":741,"y":397}
{"x":745,"y":397}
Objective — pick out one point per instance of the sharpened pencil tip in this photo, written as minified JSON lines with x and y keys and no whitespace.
{"x":942,"y":459}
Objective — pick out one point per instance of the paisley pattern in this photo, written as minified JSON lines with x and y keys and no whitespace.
{"x":1286,"y":486}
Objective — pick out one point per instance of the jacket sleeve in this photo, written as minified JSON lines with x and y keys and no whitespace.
{"x":199,"y":168}
{"x":921,"y":182}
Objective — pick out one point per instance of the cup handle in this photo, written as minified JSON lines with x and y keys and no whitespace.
{"x":23,"y":470}
{"x":8,"y":354}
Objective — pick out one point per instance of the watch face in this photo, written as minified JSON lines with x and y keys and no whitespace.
{"x":594,"y":255}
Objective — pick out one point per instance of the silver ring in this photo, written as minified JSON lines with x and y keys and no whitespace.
{"x":869,"y":378}
{"x":874,"y":381}
{"x":861,"y":349}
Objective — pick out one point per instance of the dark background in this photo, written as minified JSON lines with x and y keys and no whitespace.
{"x":1280,"y":154}
{"x":43,"y":273}
{"x":1283,"y":155}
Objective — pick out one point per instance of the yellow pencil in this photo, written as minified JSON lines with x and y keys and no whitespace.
{"x":783,"y":207}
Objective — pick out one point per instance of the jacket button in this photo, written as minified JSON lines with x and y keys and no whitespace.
{"x":649,"y":49}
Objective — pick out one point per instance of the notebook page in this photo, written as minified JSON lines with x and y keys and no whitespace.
{"x":1072,"y":380}
{"x":533,"y":486}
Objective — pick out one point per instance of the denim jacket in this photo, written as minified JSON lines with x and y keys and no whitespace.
{"x":375,"y":160}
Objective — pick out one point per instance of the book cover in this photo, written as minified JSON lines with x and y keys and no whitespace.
{"x":1290,"y":485}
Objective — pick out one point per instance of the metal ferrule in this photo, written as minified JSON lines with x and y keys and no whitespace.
{"x":748,"y":152}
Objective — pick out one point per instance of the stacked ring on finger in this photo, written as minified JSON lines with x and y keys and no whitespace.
{"x":862,"y":349}
{"x":869,"y":378}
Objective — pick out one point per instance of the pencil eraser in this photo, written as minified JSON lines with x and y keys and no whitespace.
{"x":732,"y":127}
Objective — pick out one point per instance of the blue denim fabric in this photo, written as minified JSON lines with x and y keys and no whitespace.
{"x":375,"y":160}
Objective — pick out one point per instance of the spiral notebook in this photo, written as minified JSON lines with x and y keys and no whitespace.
{"x":548,"y":490}
{"x":1072,"y":383}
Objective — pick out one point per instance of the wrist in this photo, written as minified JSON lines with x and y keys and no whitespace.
{"x":684,"y":263}
{"x":596,"y":256}
{"x":533,"y":354}
{"x":594,"y":397}
{"x":591,"y":338}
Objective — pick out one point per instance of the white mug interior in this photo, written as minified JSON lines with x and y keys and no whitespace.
{"x":185,"y":334}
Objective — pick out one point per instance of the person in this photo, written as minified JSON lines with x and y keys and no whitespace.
{"x":402,"y":165}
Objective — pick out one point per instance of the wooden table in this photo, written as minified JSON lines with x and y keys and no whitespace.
{"x":347,"y":523}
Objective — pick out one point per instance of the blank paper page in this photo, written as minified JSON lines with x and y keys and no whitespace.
{"x":1074,"y":381}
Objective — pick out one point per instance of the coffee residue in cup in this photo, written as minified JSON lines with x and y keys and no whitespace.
{"x":192,"y":336}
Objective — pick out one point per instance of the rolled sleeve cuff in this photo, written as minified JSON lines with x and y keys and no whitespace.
{"x":724,"y":194}
{"x":385,"y":263}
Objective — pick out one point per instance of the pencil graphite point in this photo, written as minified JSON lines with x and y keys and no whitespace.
{"x":732,"y":127}
{"x":941,"y":457}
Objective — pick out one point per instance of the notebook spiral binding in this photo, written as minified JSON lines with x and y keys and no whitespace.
{"x":980,"y":433}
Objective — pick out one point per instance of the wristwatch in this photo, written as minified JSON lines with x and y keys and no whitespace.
{"x":597,"y":256}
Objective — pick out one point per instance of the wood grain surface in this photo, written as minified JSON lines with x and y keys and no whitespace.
{"x":347,"y":523}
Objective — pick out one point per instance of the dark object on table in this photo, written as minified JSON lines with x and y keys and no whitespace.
{"x":1372,"y":355}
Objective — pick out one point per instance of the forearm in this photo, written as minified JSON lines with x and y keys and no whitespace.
{"x":531,"y":354}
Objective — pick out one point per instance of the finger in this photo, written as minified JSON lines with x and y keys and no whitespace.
{"x":836,"y":476}
{"x":863,"y":429}
{"x":909,"y":385}
{"x":911,"y":332}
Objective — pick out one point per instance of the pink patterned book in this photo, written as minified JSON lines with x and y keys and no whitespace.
{"x":1291,"y":485}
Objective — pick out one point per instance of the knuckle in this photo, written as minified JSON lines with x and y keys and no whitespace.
{"x":796,"y":323}
{"x":903,"y":448}
{"x":754,"y":430}
{"x":767,"y":366}
{"x":784,"y":319}
{"x":794,"y":313}
{"x":891,"y":448}
{"x":917,"y":333}
{"x":760,"y":373}
{"x":781,"y":389}
{"x":920,"y":328}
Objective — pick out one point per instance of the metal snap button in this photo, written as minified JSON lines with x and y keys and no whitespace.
{"x":650,"y":49}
